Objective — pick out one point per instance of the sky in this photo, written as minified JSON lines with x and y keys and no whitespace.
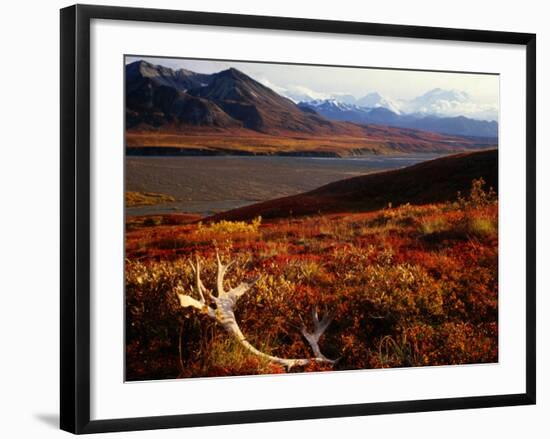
{"x":398,"y":86}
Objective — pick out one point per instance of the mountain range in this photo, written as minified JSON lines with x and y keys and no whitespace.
{"x":377,"y":112}
{"x":228,"y":111}
{"x":435,"y":102}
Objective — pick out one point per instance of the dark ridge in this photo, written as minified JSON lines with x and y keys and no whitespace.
{"x":432,"y":181}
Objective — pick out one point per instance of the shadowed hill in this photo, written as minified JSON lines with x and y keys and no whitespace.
{"x":433,"y":181}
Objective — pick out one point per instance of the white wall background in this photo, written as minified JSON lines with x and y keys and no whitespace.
{"x":29,"y":186}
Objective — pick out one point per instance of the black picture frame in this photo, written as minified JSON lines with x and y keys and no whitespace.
{"x":75,"y":217}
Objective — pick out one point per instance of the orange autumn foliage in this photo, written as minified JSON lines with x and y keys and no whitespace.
{"x":409,"y":286}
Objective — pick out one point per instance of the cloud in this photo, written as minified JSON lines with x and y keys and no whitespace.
{"x":297,"y":93}
{"x":271,"y":85}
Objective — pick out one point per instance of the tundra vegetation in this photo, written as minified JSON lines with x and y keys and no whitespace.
{"x":403,"y":286}
{"x":133,"y":198}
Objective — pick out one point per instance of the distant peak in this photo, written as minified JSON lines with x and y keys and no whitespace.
{"x":148,"y":69}
{"x":138,"y":64}
{"x":446,"y":94}
{"x":185,"y":72}
{"x":232,"y":72}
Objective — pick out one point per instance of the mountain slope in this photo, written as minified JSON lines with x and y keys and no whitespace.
{"x":428,"y":182}
{"x":258,"y":107}
{"x":157,"y":96}
{"x":458,"y":125}
{"x":142,"y":73}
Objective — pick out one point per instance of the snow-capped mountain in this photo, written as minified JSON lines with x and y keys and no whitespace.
{"x":440,"y":102}
{"x":330,"y":104}
{"x":381,"y":115}
{"x":298,"y":93}
{"x":344,"y":98}
{"x":376,"y":100}
{"x":436,"y":102}
{"x":438,"y":110}
{"x":347,"y":101}
{"x":335,"y":110}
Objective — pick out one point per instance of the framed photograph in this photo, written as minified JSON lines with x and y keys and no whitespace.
{"x":268,"y":218}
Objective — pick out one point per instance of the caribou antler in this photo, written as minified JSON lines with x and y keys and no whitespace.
{"x":223,"y":313}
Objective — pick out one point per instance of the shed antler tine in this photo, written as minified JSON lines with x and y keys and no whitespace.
{"x":315,"y":315}
{"x":224,"y":314}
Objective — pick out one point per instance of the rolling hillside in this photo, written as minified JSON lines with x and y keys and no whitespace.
{"x":428,"y":182}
